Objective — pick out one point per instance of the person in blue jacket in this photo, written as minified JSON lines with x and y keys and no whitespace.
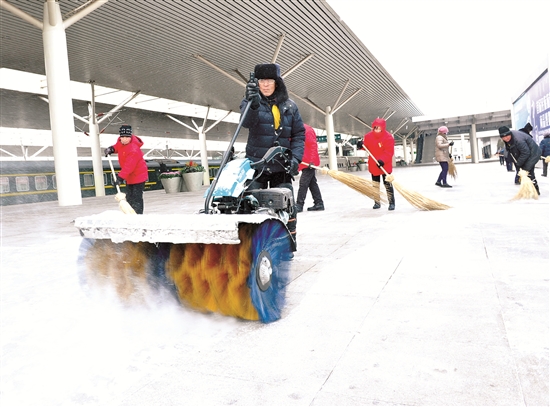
{"x":272,"y":120}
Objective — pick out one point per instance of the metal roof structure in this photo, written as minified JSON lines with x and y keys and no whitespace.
{"x":201,"y":52}
{"x":462,"y":124}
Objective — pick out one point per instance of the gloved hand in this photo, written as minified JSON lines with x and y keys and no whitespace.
{"x":452,"y":143}
{"x":294,"y":166}
{"x":109,"y":150}
{"x":253,"y":93}
{"x":360,"y":145}
{"x":118,"y":180}
{"x":380,"y":163}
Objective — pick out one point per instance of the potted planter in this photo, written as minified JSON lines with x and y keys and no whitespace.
{"x":193,"y":175}
{"x":171,"y":181}
{"x":362,"y":165}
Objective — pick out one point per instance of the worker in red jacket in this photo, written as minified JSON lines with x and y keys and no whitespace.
{"x":381,"y":145}
{"x":133,"y":168}
{"x":308,"y":180}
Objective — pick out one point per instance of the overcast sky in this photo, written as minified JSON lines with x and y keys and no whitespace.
{"x":454,"y":57}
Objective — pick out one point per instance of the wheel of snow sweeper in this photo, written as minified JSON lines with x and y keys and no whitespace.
{"x":269,"y":274}
{"x":246,"y":280}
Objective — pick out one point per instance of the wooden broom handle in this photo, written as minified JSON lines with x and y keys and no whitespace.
{"x":375,"y":160}
{"x":311,"y":166}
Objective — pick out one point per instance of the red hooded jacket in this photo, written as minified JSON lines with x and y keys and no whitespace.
{"x":311,"y":150}
{"x":133,"y":168}
{"x":381,"y":145}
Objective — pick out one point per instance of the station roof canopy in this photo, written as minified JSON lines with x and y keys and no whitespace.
{"x":462,"y":124}
{"x":202,"y":52}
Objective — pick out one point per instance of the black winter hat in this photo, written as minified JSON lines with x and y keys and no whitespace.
{"x":125,"y":130}
{"x":267,"y":71}
{"x":528,"y":127}
{"x":504,"y":131}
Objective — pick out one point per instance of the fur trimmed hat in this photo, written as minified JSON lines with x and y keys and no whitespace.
{"x":125,"y":130}
{"x":267,"y":71}
{"x":504,"y":131}
{"x":443,"y":129}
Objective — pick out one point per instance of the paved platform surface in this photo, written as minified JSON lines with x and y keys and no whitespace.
{"x":416,"y":308}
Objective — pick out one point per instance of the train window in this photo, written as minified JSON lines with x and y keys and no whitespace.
{"x":41,"y":183}
{"x":88,"y":180}
{"x":105,"y":179}
{"x":4,"y":184}
{"x":22,"y":184}
{"x":54,"y":182}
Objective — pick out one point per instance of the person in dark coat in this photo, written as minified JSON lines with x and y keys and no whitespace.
{"x":381,"y":145}
{"x":133,"y":168}
{"x":272,"y":120}
{"x":527,"y":129}
{"x":523,"y":149}
{"x":308,"y":180}
{"x":545,"y":152}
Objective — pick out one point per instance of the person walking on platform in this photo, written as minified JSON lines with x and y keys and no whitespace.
{"x":523,"y":149}
{"x":272,"y":119}
{"x":308,"y":180}
{"x":381,"y":145}
{"x":545,"y":152}
{"x":133,"y":168}
{"x":442,"y":155}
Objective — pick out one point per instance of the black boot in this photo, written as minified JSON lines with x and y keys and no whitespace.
{"x":391,"y":195}
{"x":317,"y":207}
{"x":376,"y":205}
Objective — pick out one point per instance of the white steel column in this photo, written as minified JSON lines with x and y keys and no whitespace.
{"x":61,"y":107}
{"x":405,"y":151}
{"x":97,"y":163}
{"x":204,"y":156}
{"x":329,"y":124}
{"x":474,"y":144}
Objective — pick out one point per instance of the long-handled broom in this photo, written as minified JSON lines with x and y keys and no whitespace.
{"x":414,"y":198}
{"x":121,"y":196}
{"x":527,"y":189}
{"x":452,"y":166}
{"x":361,"y":185}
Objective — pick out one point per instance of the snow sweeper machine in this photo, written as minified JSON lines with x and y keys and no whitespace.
{"x":231,"y":257}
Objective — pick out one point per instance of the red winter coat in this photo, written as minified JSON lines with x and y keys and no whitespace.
{"x":311,"y":150}
{"x":133,"y":168}
{"x":381,"y":145}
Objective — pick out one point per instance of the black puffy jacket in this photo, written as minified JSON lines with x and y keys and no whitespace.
{"x":524,"y":149}
{"x":262,"y":134}
{"x":545,"y":146}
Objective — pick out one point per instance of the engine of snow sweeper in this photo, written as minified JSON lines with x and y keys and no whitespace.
{"x":232,"y":257}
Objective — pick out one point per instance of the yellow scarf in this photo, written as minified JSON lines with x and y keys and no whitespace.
{"x":276,"y":116}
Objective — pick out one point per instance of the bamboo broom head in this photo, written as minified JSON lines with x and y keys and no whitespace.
{"x":415,"y":199}
{"x":123,"y":204}
{"x":527,"y":189}
{"x":452,"y":168}
{"x":361,"y":185}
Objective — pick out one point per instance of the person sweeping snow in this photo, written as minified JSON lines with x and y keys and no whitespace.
{"x":442,"y":155}
{"x":524,"y":151}
{"x":381,"y":144}
{"x":133,"y":167}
